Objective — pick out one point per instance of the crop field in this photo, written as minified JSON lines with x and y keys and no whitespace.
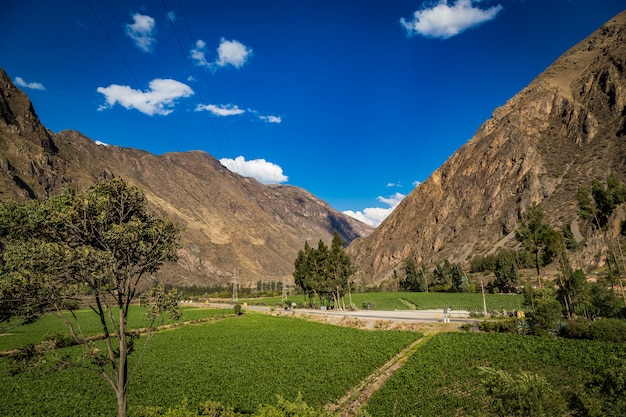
{"x":241,"y":361}
{"x":418,"y":301}
{"x":18,"y":336}
{"x":443,"y":377}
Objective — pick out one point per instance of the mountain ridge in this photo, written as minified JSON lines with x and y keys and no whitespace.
{"x":233,"y":225}
{"x":561,"y":131}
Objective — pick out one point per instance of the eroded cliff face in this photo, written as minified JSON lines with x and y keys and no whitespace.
{"x":566,"y":128}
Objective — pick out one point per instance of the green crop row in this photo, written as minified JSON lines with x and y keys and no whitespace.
{"x":444,"y":378}
{"x":242,"y":362}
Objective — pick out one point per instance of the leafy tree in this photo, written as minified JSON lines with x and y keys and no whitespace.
{"x":416,"y":278}
{"x":100,"y":242}
{"x":340,"y":270}
{"x":302,"y":274}
{"x":324,"y":272}
{"x":538,"y":237}
{"x":603,"y":300}
{"x":506,"y":275}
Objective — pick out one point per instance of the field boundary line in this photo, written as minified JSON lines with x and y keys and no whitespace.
{"x":350,"y":404}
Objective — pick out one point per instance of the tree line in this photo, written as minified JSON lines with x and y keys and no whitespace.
{"x":324,"y":274}
{"x":570,"y":293}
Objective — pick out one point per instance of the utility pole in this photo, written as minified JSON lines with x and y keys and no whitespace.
{"x":235,"y":294}
{"x":484,"y":301}
{"x":284,"y":291}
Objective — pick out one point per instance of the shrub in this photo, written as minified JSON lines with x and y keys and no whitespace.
{"x":524,"y":394}
{"x":369,"y":305}
{"x":546,"y":316}
{"x":577,"y":328}
{"x":608,"y":330}
{"x":499,"y":326}
{"x":238,"y":310}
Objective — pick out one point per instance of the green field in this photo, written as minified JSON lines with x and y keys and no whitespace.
{"x":18,"y":336}
{"x":443,"y":377}
{"x":240,"y":361}
{"x":417,"y":300}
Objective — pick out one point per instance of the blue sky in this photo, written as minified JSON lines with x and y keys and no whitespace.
{"x":355,"y":101}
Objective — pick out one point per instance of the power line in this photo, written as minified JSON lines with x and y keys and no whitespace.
{"x":132,"y":74}
{"x":224,"y":147}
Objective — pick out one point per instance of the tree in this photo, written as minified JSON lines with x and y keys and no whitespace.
{"x":340,"y":270}
{"x":505,"y":271}
{"x":324,"y":272}
{"x":537,"y":236}
{"x":100,"y":242}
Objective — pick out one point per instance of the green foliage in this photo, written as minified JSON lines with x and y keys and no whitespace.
{"x":506,"y":275}
{"x":282,"y":408}
{"x":240,"y":362}
{"x":603,"y":300}
{"x":577,"y":328}
{"x":546,"y":316}
{"x":324,"y":272}
{"x":538,"y":236}
{"x":608,"y":330}
{"x":521,"y":259}
{"x":444,"y":379}
{"x":209,"y":408}
{"x":522,"y":394}
{"x":416,"y":279}
{"x":605,"y":394}
{"x":100,"y":242}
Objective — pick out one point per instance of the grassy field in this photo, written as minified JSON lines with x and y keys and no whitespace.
{"x":443,"y":378}
{"x":18,"y":336}
{"x":241,"y":361}
{"x":417,"y":300}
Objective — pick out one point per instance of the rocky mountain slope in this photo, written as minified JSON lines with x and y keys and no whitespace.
{"x":233,"y":225}
{"x":561,"y":131}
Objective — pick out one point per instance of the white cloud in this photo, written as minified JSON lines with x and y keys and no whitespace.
{"x":142,"y":32}
{"x":271,"y":119}
{"x":198,"y":54}
{"x":375,"y":215}
{"x":34,"y":86}
{"x":232,"y":53}
{"x":263,"y":171}
{"x":444,"y":21}
{"x":222,"y":110}
{"x":159,"y":99}
{"x":171,"y":17}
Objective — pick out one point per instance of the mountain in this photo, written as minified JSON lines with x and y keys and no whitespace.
{"x":233,"y":224}
{"x":561,"y":131}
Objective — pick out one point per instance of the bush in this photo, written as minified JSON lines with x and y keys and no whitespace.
{"x":546,"y":316}
{"x":524,"y":394}
{"x":577,"y":328}
{"x":608,"y":330}
{"x":500,"y":326}
{"x":238,"y":310}
{"x":369,"y":305}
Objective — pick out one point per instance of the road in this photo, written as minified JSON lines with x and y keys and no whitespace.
{"x":405,"y":316}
